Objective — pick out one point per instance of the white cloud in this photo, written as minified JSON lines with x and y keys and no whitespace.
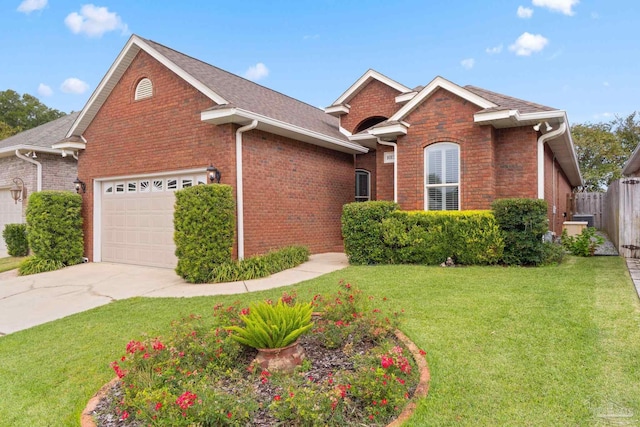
{"x":524,"y":12}
{"x":528,"y":43}
{"x":44,"y":90}
{"x":94,"y":21}
{"x":562,"y":6}
{"x":28,"y":6}
{"x":494,"y":50}
{"x":74,"y":85}
{"x":468,"y":63}
{"x":257,"y":72}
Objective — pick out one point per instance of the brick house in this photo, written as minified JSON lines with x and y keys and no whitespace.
{"x":159,"y":118}
{"x":30,"y":157}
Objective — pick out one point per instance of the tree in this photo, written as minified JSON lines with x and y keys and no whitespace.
{"x":6,"y":131}
{"x":603,"y":149}
{"x":24,"y":112}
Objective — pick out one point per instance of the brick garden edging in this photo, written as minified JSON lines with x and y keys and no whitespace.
{"x":86,"y":419}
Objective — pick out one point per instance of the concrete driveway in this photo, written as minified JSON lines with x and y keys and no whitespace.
{"x":32,"y":300}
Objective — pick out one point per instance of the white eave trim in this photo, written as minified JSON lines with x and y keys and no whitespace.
{"x":515,"y":115}
{"x":69,"y":145}
{"x":405,"y":97}
{"x":440,"y":83}
{"x":10,"y":151}
{"x":243,"y":117}
{"x":633,"y":163}
{"x":337,"y":110}
{"x":390,"y":130}
{"x":362,"y":81}
{"x":116,"y":71}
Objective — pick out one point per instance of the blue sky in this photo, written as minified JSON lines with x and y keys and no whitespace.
{"x":576,"y":55}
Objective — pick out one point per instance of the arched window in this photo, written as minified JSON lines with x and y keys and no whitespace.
{"x":144,"y":89}
{"x":363,"y":185}
{"x":442,"y":177}
{"x":367,"y":123}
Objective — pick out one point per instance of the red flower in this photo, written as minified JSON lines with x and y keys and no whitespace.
{"x":383,"y":402}
{"x":125,"y":415}
{"x":133,"y":346}
{"x":229,"y":415}
{"x":146,"y":356}
{"x":244,"y":312}
{"x":158,"y":406}
{"x":422,"y":352}
{"x":119,"y":372}
{"x":186,"y":400}
{"x":157,"y":345}
{"x":277,"y":398}
{"x":386,"y":361}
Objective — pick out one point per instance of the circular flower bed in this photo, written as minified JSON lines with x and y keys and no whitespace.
{"x":356,"y":371}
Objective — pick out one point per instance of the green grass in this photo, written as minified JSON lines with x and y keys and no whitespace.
{"x":10,"y":263}
{"x":506,"y":346}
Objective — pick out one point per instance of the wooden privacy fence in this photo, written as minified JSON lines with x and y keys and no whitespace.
{"x":587,"y":204}
{"x":622,"y":218}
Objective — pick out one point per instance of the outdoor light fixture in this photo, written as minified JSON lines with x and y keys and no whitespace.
{"x":17,"y":191}
{"x":547,"y":127}
{"x":537,"y":127}
{"x":80,"y":185}
{"x":214,"y":174}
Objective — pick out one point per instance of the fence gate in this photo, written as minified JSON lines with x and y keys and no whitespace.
{"x":623,"y":216}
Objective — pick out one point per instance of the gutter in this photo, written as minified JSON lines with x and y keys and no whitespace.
{"x":544,"y":138}
{"x":239,"y":185}
{"x":38,"y":168}
{"x":395,"y":166}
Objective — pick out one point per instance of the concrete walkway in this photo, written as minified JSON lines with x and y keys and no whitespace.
{"x":633,"y":264}
{"x":32,"y":300}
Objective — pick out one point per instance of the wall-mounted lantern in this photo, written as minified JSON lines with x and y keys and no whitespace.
{"x":17,"y":190}
{"x":80,"y":185}
{"x":214,"y":174}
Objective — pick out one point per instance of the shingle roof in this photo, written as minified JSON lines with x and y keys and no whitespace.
{"x":43,"y":136}
{"x":505,"y":102}
{"x":247,"y":95}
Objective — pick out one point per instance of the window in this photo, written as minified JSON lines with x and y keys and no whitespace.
{"x":120,"y":187}
{"x":187,"y":182}
{"x":145,"y":186}
{"x":363,"y":185}
{"x":172,"y":184}
{"x":144,"y":89}
{"x":442,"y":177}
{"x":132,"y":186}
{"x":157,"y":185}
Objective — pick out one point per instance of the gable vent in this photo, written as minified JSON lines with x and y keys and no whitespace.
{"x":144,"y":89}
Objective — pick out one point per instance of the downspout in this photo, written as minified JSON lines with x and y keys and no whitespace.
{"x":544,"y":138}
{"x":239,"y":186}
{"x":38,"y":168}
{"x":395,"y":166}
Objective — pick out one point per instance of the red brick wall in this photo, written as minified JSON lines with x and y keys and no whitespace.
{"x":294,"y":193}
{"x":368,"y":162}
{"x":384,"y":175}
{"x":516,"y":163}
{"x":161,"y":133}
{"x":556,"y":189}
{"x":375,"y":99}
{"x":445,"y":117}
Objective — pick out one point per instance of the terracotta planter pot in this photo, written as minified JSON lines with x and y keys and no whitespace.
{"x":283,"y":359}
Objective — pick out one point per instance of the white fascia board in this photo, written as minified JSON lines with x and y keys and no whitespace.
{"x":633,"y":164}
{"x":362,"y":137}
{"x":440,"y":83}
{"x":405,"y":97}
{"x":344,"y":131}
{"x":337,"y":110}
{"x":115,"y":72}
{"x":362,"y":81}
{"x":11,"y":151}
{"x":69,"y":146}
{"x":517,"y":116}
{"x":238,"y":115}
{"x":392,"y":130}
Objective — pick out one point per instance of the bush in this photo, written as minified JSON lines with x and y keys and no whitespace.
{"x":584,"y":244}
{"x":362,"y":231}
{"x":553,"y":253}
{"x":15,"y":236}
{"x":36,"y":264}
{"x":429,"y":237}
{"x":54,"y":227}
{"x":204,"y":221}
{"x":523,"y":223}
{"x":260,"y":265}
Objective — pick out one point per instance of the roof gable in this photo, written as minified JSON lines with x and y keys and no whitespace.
{"x":363,"y":81}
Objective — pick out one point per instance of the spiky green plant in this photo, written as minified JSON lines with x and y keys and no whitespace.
{"x":273,"y":325}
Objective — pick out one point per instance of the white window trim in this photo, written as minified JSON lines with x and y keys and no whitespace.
{"x":358,"y":199}
{"x":433,"y":147}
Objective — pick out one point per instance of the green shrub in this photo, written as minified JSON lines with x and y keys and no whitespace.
{"x":429,"y":237}
{"x":553,"y":253}
{"x":204,"y":221}
{"x":260,"y":265}
{"x":523,"y":223}
{"x":362,"y":231}
{"x":15,"y":236}
{"x":36,"y":264}
{"x":54,"y":227}
{"x":584,"y":244}
{"x":273,"y":325}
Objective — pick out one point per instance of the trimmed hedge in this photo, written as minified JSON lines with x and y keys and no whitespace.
{"x":15,"y":237}
{"x":362,"y":231}
{"x":204,"y":221}
{"x":54,"y":227}
{"x":430,"y":237}
{"x":523,"y":223}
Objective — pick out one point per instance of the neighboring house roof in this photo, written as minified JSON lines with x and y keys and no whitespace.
{"x":238,"y":100}
{"x":38,"y":139}
{"x":632,"y":166}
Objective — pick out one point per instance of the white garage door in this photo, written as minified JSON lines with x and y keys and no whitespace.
{"x":137,"y":219}
{"x":10,"y":213}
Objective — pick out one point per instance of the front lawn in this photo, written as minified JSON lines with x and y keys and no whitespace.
{"x":10,"y":263}
{"x":506,"y":346}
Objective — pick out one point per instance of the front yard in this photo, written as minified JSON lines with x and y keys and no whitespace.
{"x":10,"y":263}
{"x":505,"y":346}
